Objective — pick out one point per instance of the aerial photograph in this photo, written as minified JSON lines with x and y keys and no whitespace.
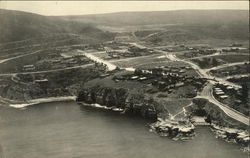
{"x":124,"y":79}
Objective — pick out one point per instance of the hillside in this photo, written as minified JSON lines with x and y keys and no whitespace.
{"x":17,"y":25}
{"x":165,"y":17}
{"x":180,"y":25}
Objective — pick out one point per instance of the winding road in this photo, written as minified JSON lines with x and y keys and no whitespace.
{"x":207,"y":92}
{"x":208,"y":89}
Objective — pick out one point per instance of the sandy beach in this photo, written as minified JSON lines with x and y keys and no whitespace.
{"x":43,"y":100}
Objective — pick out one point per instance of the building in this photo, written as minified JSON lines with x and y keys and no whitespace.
{"x":134,"y":77}
{"x":219,"y":93}
{"x":122,"y":38}
{"x":41,"y":81}
{"x":223,"y":96}
{"x":28,"y":67}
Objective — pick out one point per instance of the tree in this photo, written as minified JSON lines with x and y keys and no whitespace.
{"x":214,"y":62}
{"x":208,"y":119}
{"x":245,"y":92}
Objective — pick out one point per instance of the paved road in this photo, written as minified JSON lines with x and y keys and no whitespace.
{"x":48,"y":71}
{"x":216,"y":54}
{"x":225,"y":65}
{"x":208,"y":95}
{"x":91,"y":56}
{"x":19,"y":56}
{"x":111,"y":63}
{"x":203,"y":72}
{"x":133,"y":58}
{"x":238,"y":76}
{"x":207,"y":92}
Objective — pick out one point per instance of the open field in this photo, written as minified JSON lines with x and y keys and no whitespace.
{"x":138,"y":61}
{"x":209,"y":62}
{"x":231,"y":71}
{"x":42,"y":60}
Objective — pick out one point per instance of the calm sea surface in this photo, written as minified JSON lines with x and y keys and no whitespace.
{"x":68,"y":130}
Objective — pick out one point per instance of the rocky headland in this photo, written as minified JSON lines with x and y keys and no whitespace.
{"x":128,"y":101}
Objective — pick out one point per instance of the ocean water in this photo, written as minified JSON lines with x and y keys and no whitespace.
{"x":69,"y":130}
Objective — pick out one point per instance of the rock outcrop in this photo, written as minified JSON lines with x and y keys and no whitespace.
{"x":174,"y":129}
{"x":120,"y":98}
{"x":139,"y":104}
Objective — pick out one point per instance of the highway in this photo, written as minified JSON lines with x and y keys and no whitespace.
{"x":208,"y":95}
{"x":19,"y":56}
{"x":207,"y":92}
{"x":109,"y":65}
{"x":225,"y":65}
{"x":47,"y":71}
{"x":216,"y":54}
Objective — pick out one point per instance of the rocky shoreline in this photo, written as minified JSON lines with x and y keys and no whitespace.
{"x":232,"y":135}
{"x":185,"y":130}
{"x":174,"y":129}
{"x":124,"y":101}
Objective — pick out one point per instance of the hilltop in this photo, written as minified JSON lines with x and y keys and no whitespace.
{"x":179,"y":25}
{"x":203,"y":17}
{"x":18,"y":25}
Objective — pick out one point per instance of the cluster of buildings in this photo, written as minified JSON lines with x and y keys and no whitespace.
{"x":220,"y":93}
{"x":233,"y":49}
{"x":130,"y":50}
{"x":164,"y":78}
{"x":122,"y":38}
{"x":224,"y":91}
{"x":29,"y":67}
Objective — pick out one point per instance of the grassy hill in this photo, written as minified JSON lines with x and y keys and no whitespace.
{"x":180,"y":25}
{"x":204,"y":17}
{"x":188,"y":24}
{"x":17,"y":25}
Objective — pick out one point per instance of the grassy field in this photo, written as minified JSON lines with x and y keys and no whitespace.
{"x":138,"y":61}
{"x":175,"y":106}
{"x":233,"y":58}
{"x":209,"y":62}
{"x":16,"y":65}
{"x":232,"y":70}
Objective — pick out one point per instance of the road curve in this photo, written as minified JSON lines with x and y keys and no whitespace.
{"x":207,"y":92}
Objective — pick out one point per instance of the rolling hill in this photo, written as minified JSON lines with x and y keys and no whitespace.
{"x":179,"y":25}
{"x":204,"y":17}
{"x":17,"y":25}
{"x":195,"y":24}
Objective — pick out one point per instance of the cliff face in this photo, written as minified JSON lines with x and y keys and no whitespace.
{"x":120,"y":98}
{"x":139,"y":103}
